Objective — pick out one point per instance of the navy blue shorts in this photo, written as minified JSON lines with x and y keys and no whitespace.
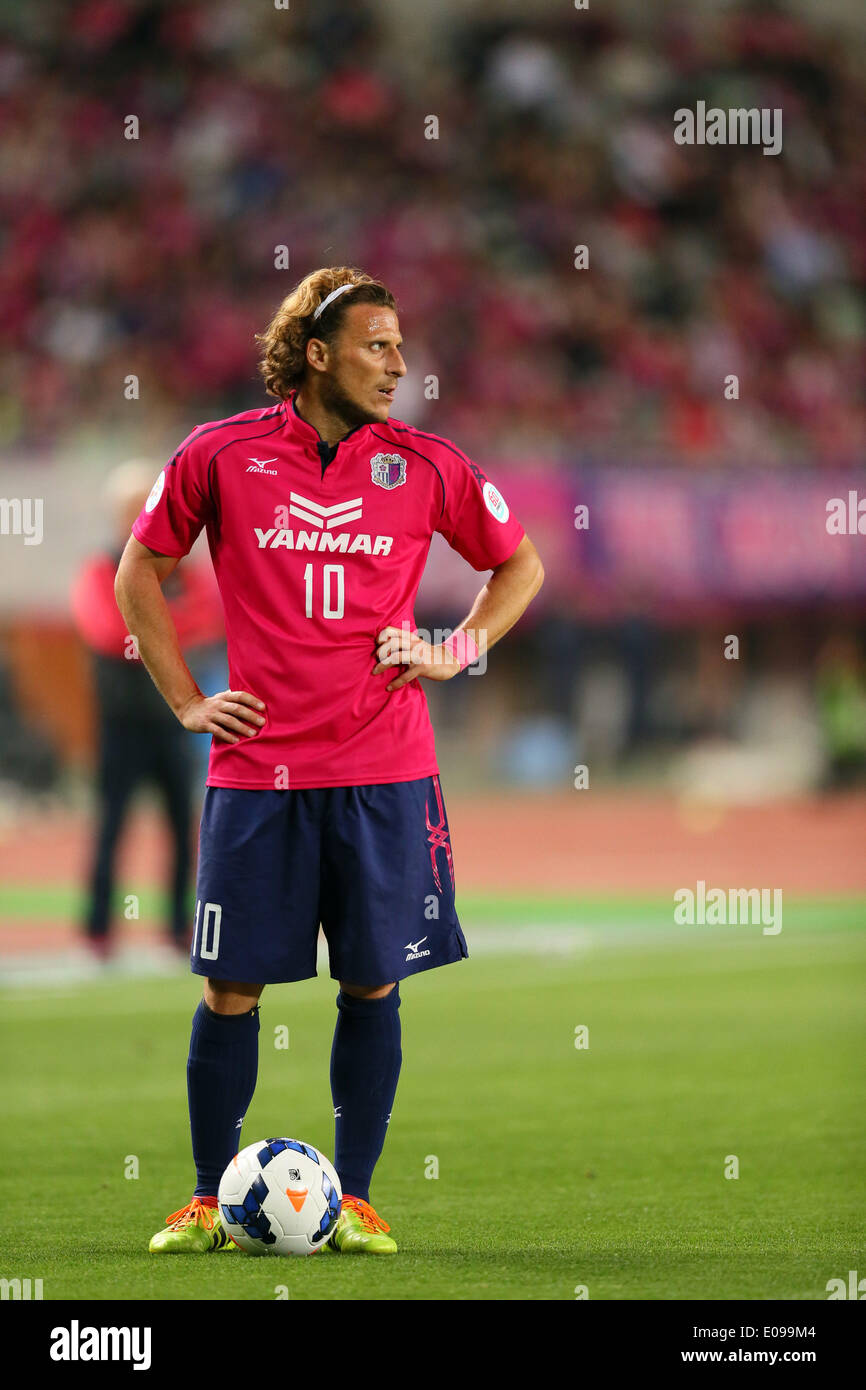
{"x":371,"y":864}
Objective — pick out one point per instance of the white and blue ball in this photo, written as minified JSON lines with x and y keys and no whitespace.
{"x":280,"y":1197}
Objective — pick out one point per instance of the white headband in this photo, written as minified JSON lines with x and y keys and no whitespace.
{"x":333,"y":295}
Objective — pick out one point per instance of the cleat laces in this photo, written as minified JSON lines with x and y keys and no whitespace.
{"x":370,"y":1221}
{"x":190,"y":1215}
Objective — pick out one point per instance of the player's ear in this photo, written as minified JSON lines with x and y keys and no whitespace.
{"x":317,"y":354}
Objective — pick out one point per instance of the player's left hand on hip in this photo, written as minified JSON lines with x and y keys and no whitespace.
{"x":401,"y":647}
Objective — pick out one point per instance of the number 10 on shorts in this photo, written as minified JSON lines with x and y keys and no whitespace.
{"x":210,"y":929}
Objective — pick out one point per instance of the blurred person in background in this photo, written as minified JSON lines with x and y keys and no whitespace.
{"x":139,"y":740}
{"x":841,"y":695}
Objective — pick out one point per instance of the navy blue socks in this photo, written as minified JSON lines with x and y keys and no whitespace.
{"x":365,"y":1066}
{"x":220,"y":1078}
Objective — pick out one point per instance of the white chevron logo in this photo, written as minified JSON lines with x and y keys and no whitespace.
{"x":325,"y":517}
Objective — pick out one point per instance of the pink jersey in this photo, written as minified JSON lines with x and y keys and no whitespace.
{"x":316,"y":550}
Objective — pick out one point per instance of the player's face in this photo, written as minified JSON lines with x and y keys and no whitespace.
{"x":364,"y":365}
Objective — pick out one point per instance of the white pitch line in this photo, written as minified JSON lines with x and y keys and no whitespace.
{"x":49,"y":969}
{"x":554,"y":940}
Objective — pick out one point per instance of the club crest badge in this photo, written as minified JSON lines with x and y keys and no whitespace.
{"x":388,"y":470}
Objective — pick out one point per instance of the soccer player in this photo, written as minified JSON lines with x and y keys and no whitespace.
{"x":323,"y":803}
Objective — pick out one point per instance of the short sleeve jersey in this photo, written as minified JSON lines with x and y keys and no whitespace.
{"x":316,"y":549}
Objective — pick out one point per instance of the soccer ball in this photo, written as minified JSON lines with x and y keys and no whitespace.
{"x":280,"y":1197}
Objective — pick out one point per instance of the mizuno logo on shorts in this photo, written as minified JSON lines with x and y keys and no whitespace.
{"x":412,"y":948}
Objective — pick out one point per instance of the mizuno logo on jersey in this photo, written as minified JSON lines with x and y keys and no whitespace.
{"x":258,"y":466}
{"x":342,"y":543}
{"x":326,"y":517}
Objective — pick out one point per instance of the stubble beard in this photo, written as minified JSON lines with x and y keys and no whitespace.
{"x":335,"y":400}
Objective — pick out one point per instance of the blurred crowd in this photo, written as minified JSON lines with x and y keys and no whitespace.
{"x":258,"y":128}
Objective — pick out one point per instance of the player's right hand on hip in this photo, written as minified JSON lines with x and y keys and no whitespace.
{"x":229,"y":716}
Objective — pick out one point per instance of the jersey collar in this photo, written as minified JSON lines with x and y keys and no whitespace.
{"x":303,"y":430}
{"x":297,"y":425}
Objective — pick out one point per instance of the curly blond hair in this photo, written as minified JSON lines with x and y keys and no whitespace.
{"x":284,"y":341}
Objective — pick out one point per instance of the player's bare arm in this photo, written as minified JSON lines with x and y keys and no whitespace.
{"x":506,"y":595}
{"x":229,"y":715}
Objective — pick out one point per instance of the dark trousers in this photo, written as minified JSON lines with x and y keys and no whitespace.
{"x":130,"y":755}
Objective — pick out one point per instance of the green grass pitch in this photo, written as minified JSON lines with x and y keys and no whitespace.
{"x":558,"y":1167}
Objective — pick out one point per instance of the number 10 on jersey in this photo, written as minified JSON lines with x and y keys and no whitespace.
{"x":333,"y":591}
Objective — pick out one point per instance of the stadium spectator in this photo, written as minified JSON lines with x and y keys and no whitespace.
{"x":154,"y":256}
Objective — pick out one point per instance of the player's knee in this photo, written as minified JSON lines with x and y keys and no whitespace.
{"x":367,"y":991}
{"x":230,"y":996}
